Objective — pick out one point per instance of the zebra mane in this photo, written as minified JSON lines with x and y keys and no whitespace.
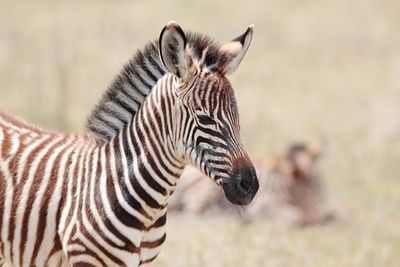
{"x":127,"y":92}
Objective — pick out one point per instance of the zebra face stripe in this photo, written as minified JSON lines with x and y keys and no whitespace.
{"x":210,"y":133}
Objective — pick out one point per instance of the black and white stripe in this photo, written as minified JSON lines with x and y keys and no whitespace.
{"x":100,"y":199}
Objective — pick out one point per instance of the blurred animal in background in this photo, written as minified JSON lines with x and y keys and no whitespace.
{"x":290,"y":187}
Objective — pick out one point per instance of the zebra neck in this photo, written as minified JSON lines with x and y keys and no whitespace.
{"x":145,"y":151}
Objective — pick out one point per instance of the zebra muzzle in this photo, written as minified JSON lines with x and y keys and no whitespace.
{"x":243,"y":186}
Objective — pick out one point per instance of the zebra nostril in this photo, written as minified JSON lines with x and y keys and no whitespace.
{"x":244,"y":186}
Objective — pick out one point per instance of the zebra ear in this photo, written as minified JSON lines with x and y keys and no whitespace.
{"x":172,"y":47}
{"x":233,"y":52}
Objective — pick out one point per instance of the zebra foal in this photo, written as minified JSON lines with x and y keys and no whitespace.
{"x":100,"y":199}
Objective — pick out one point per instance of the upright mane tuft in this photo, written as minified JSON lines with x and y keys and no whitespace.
{"x":129,"y":89}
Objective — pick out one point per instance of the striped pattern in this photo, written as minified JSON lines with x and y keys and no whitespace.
{"x":127,"y":93}
{"x":100,"y":199}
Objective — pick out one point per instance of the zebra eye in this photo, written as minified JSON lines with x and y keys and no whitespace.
{"x":205,"y":119}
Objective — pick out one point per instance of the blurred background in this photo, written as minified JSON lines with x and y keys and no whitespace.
{"x":316,"y":70}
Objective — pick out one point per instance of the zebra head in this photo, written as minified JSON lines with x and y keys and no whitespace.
{"x":205,"y":112}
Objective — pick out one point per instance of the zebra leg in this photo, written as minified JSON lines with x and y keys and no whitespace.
{"x":152,"y":241}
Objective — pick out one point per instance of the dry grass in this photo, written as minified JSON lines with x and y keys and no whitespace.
{"x":315,"y":68}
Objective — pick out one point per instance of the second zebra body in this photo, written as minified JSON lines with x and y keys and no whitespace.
{"x":291,"y":190}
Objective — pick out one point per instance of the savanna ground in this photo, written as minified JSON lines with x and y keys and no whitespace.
{"x":315,"y":69}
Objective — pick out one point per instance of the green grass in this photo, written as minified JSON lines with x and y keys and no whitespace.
{"x":315,"y":69}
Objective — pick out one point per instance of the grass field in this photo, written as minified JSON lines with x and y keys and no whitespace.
{"x":315,"y":69}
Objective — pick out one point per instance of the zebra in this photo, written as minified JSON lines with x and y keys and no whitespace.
{"x":101,"y":198}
